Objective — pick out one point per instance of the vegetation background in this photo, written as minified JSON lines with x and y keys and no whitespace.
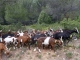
{"x":39,"y":14}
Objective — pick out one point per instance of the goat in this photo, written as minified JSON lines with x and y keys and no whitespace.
{"x":66,"y":34}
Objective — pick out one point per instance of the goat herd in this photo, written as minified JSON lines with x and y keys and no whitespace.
{"x":38,"y":38}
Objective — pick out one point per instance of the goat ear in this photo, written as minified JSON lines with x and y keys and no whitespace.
{"x":60,"y":29}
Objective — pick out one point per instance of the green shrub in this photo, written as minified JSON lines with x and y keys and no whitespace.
{"x":1,"y":27}
{"x":44,"y":18}
{"x":70,"y":24}
{"x":78,"y":47}
{"x":39,"y":56}
{"x":13,"y":27}
{"x":69,"y":55}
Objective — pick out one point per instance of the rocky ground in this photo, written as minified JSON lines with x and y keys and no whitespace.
{"x":70,"y":52}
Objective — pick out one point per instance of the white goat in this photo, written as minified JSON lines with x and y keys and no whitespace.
{"x":9,"y":40}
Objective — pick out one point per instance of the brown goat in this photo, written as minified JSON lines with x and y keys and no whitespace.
{"x":52,"y":42}
{"x":3,"y":49}
{"x":23,"y":40}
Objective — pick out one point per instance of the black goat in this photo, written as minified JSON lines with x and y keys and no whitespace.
{"x":36,"y":36}
{"x":66,"y":35}
{"x":71,"y":31}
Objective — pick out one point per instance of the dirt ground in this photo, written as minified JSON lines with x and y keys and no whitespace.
{"x":70,"y":52}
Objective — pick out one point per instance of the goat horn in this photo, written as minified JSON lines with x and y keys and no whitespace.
{"x":61,"y":39}
{"x":61,"y":30}
{"x":77,"y":29}
{"x":0,"y":30}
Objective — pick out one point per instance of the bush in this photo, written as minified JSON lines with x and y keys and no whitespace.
{"x":16,"y":13}
{"x":69,"y":55}
{"x":44,"y":18}
{"x":13,"y":27}
{"x":1,"y":27}
{"x":42,"y":26}
{"x":70,"y":24}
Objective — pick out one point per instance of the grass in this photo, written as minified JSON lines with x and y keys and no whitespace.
{"x":39,"y":56}
{"x":76,"y":58}
{"x":30,"y":57}
{"x":28,"y":53}
{"x":46,"y":26}
{"x":79,"y":47}
{"x":49,"y":53}
{"x":72,"y":46}
{"x":17,"y":55}
{"x":54,"y":55}
{"x":65,"y":50}
{"x":24,"y":49}
{"x":69,"y":55}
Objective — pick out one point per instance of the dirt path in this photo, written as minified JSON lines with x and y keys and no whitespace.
{"x":4,"y":57}
{"x":71,"y":52}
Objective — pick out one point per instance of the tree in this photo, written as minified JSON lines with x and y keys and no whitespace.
{"x":59,"y":9}
{"x":44,"y":18}
{"x":3,"y":4}
{"x":16,"y":13}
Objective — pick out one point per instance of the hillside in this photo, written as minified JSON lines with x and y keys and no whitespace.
{"x":70,"y":52}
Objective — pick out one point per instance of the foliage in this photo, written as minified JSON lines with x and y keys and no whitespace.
{"x":39,"y":56}
{"x":44,"y":18}
{"x":1,"y":27}
{"x":42,"y":26}
{"x":78,"y":47}
{"x":16,"y":27}
{"x":70,"y":24}
{"x":41,"y":13}
{"x":69,"y":55}
{"x":32,"y":11}
{"x":13,"y":27}
{"x":15,"y":13}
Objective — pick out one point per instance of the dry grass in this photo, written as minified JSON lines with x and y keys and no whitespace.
{"x":69,"y":55}
{"x":70,"y":52}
